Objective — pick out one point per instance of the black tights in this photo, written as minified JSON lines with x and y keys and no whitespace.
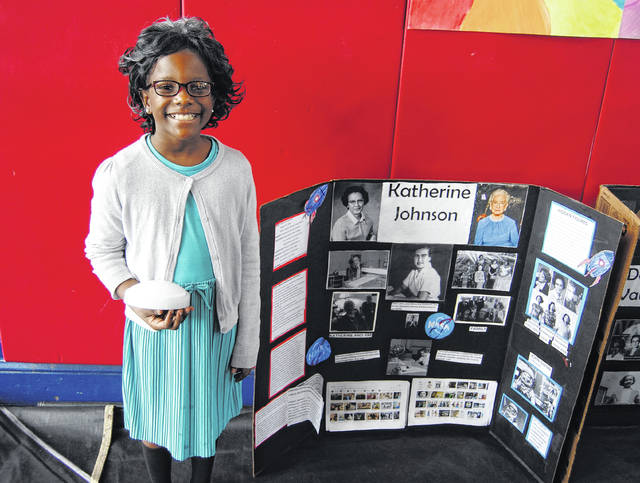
{"x":201,"y":469}
{"x":158,"y":461}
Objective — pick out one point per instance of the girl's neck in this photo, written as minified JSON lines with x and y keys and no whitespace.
{"x":187,"y":153}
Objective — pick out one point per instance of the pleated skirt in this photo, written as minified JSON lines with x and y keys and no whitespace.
{"x":177,"y":387}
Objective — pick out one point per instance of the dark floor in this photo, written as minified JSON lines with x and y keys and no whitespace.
{"x":605,"y":454}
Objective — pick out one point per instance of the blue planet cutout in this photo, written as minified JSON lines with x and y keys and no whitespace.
{"x":319,"y":351}
{"x":439,"y":325}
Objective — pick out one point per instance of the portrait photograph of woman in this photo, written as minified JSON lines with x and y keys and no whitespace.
{"x":498,"y":215}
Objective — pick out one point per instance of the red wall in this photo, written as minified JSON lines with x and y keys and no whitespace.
{"x":334,"y":89}
{"x":496,"y":107}
{"x":616,"y":147}
{"x":321,"y":81}
{"x":63,"y":110}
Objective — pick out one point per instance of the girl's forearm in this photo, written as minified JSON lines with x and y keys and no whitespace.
{"x":122,"y":288}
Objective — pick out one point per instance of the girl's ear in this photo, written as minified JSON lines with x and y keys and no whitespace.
{"x":145,"y":101}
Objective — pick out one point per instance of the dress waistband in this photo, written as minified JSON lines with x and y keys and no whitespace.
{"x":205,"y":289}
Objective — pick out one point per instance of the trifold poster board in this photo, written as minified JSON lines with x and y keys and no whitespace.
{"x":616,"y":398}
{"x":396,"y":304}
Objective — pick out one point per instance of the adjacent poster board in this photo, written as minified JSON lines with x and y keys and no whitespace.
{"x":616,"y":397}
{"x":426,"y":303}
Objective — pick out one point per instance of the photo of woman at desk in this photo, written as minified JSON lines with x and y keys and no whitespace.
{"x":358,"y":269}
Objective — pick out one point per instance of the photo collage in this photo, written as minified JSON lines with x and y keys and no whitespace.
{"x":401,"y":251}
{"x":369,"y":406}
{"x":555,"y":305}
{"x":416,"y":272}
{"x":383,"y":404}
{"x":355,"y":405}
{"x":451,"y":401}
{"x":542,"y":392}
{"x":553,"y":312}
{"x":480,"y":269}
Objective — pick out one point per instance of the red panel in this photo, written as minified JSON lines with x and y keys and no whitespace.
{"x":63,"y":111}
{"x":321,"y":86}
{"x":617,"y":145}
{"x":321,"y":81}
{"x":495,"y":107}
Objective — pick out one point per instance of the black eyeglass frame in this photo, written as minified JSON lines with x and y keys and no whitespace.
{"x":180,"y":86}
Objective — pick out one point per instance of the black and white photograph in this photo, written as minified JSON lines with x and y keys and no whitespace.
{"x":624,"y":342}
{"x":556,"y":301}
{"x":542,"y":279}
{"x":351,"y":269}
{"x":353,"y":311}
{"x":408,"y":357}
{"x":573,"y":296}
{"x":481,"y":270}
{"x":481,"y":309}
{"x":418,"y":272}
{"x":356,"y":210}
{"x":513,"y":413}
{"x":498,"y":215}
{"x":542,"y":392}
{"x":619,"y":387}
{"x":411,"y":320}
{"x":558,"y":288}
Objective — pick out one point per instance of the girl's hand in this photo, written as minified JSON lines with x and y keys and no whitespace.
{"x":163,"y":319}
{"x":240,"y":373}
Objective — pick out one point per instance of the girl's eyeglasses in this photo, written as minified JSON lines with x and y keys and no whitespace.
{"x":169,"y":88}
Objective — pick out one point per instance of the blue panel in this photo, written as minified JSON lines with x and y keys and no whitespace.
{"x":22,"y":383}
{"x":247,"y":390}
{"x":28,"y":384}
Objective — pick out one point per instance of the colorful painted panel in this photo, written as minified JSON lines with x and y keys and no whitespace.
{"x":570,"y":18}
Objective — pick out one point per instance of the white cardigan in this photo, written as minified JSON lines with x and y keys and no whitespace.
{"x":137,"y":212}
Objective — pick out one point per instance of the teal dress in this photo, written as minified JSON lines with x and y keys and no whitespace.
{"x":178,"y":391}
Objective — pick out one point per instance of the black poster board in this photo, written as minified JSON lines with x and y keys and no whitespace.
{"x":619,"y":360}
{"x":417,"y":343}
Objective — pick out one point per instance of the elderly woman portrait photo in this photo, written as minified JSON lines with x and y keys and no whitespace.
{"x":494,"y":227}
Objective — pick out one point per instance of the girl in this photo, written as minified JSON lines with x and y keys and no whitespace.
{"x":179,"y":205}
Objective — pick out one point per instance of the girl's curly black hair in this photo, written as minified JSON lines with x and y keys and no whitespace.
{"x":165,"y":37}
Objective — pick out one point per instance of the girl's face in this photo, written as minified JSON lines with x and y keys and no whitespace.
{"x":180,"y":118}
